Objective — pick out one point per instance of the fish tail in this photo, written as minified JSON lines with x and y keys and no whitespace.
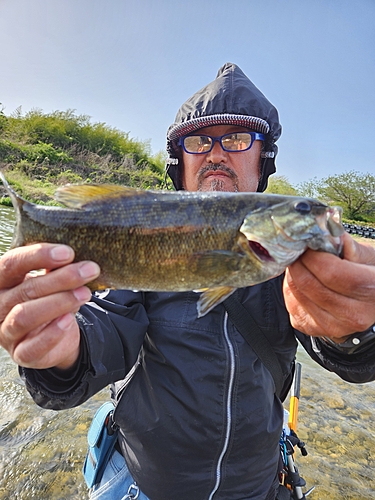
{"x":17,"y":203}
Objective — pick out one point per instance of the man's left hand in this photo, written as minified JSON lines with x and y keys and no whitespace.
{"x":332,"y":297}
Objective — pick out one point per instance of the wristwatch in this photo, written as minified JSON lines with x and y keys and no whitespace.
{"x":354,"y":342}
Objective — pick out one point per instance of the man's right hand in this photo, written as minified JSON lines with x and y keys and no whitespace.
{"x":37,"y":314}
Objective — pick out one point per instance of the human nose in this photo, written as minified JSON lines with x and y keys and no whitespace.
{"x":217,"y":154}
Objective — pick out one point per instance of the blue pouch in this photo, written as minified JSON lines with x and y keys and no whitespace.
{"x":102,"y":437}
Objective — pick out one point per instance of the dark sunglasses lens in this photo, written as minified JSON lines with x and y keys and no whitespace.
{"x":236,"y":142}
{"x":197,"y":143}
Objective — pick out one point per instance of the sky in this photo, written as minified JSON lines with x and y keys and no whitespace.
{"x":131,"y":63}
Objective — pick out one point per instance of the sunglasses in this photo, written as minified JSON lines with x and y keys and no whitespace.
{"x":233,"y":143}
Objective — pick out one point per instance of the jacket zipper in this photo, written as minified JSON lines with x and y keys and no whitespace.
{"x":228,"y":408}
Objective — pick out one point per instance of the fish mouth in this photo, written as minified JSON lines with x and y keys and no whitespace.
{"x":334,"y":222}
{"x":332,"y":230}
{"x":260,"y":251}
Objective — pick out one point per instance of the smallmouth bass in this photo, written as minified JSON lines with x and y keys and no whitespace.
{"x":179,"y":241}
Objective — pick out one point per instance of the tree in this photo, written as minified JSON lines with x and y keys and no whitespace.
{"x":353,"y":191}
{"x":279,"y":184}
{"x":310,"y":188}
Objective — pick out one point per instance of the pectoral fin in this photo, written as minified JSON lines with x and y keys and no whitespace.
{"x":211,"y":298}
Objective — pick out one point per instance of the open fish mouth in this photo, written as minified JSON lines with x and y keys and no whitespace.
{"x":334,"y":221}
{"x":331,"y":231}
{"x":260,"y":251}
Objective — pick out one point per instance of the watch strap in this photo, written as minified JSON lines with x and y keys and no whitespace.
{"x":355,"y":342}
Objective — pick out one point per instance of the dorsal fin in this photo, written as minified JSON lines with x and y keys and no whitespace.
{"x":81,"y":195}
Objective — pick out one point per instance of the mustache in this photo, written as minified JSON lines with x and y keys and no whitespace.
{"x":214,"y":167}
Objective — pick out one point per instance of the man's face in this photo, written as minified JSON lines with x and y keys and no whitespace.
{"x":219,"y":170}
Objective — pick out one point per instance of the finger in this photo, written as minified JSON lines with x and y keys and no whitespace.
{"x":29,"y":316}
{"x":297,"y":305}
{"x":66,"y":278}
{"x":300,"y":318}
{"x":350,"y":279}
{"x":329,"y":296}
{"x":316,"y":310}
{"x":57,"y":344}
{"x":362,"y":253}
{"x":16,"y":263}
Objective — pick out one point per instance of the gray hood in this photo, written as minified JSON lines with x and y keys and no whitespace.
{"x":231,"y":99}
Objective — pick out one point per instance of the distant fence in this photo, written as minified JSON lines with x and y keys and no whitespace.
{"x":364,"y":231}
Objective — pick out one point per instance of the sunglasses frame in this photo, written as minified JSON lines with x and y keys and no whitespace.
{"x":255,"y":136}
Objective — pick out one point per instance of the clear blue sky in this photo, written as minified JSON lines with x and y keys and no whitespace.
{"x":131,"y":64}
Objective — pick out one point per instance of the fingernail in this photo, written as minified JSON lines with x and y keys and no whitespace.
{"x":61,"y":253}
{"x":89,"y":270}
{"x":66,"y":321}
{"x":82,"y":294}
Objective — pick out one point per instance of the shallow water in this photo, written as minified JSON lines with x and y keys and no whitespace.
{"x":42,"y":451}
{"x":337,"y":422}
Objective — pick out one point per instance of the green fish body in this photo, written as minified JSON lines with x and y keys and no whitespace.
{"x":179,"y":241}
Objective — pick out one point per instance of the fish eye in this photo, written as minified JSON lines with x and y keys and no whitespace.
{"x":303,"y":207}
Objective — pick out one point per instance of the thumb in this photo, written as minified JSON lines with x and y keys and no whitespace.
{"x":362,"y":253}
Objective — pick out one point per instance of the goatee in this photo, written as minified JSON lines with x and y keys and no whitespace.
{"x":216,"y":184}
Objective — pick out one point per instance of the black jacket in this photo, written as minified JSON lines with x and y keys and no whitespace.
{"x":197,"y":409}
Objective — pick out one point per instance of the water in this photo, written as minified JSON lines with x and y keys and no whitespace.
{"x":42,"y":451}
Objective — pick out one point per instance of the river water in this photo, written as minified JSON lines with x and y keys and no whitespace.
{"x":42,"y":451}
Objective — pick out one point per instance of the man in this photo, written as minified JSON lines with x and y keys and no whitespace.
{"x":197,"y":411}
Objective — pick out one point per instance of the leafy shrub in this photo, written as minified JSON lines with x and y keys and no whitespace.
{"x":47,"y":150}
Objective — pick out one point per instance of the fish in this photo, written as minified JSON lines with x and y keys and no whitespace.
{"x":208,"y":242}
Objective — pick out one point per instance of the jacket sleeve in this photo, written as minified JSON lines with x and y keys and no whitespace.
{"x":113,"y":326}
{"x":358,"y":367}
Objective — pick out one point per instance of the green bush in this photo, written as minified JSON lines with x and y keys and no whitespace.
{"x":37,"y":153}
{"x":41,"y":151}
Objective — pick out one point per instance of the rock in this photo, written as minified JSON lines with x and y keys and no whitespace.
{"x":335,"y":401}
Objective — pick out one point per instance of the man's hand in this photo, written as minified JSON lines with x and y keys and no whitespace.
{"x":37,"y":314}
{"x":332,"y":297}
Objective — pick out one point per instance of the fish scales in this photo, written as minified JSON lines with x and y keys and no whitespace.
{"x":163,"y":241}
{"x":169,"y":228}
